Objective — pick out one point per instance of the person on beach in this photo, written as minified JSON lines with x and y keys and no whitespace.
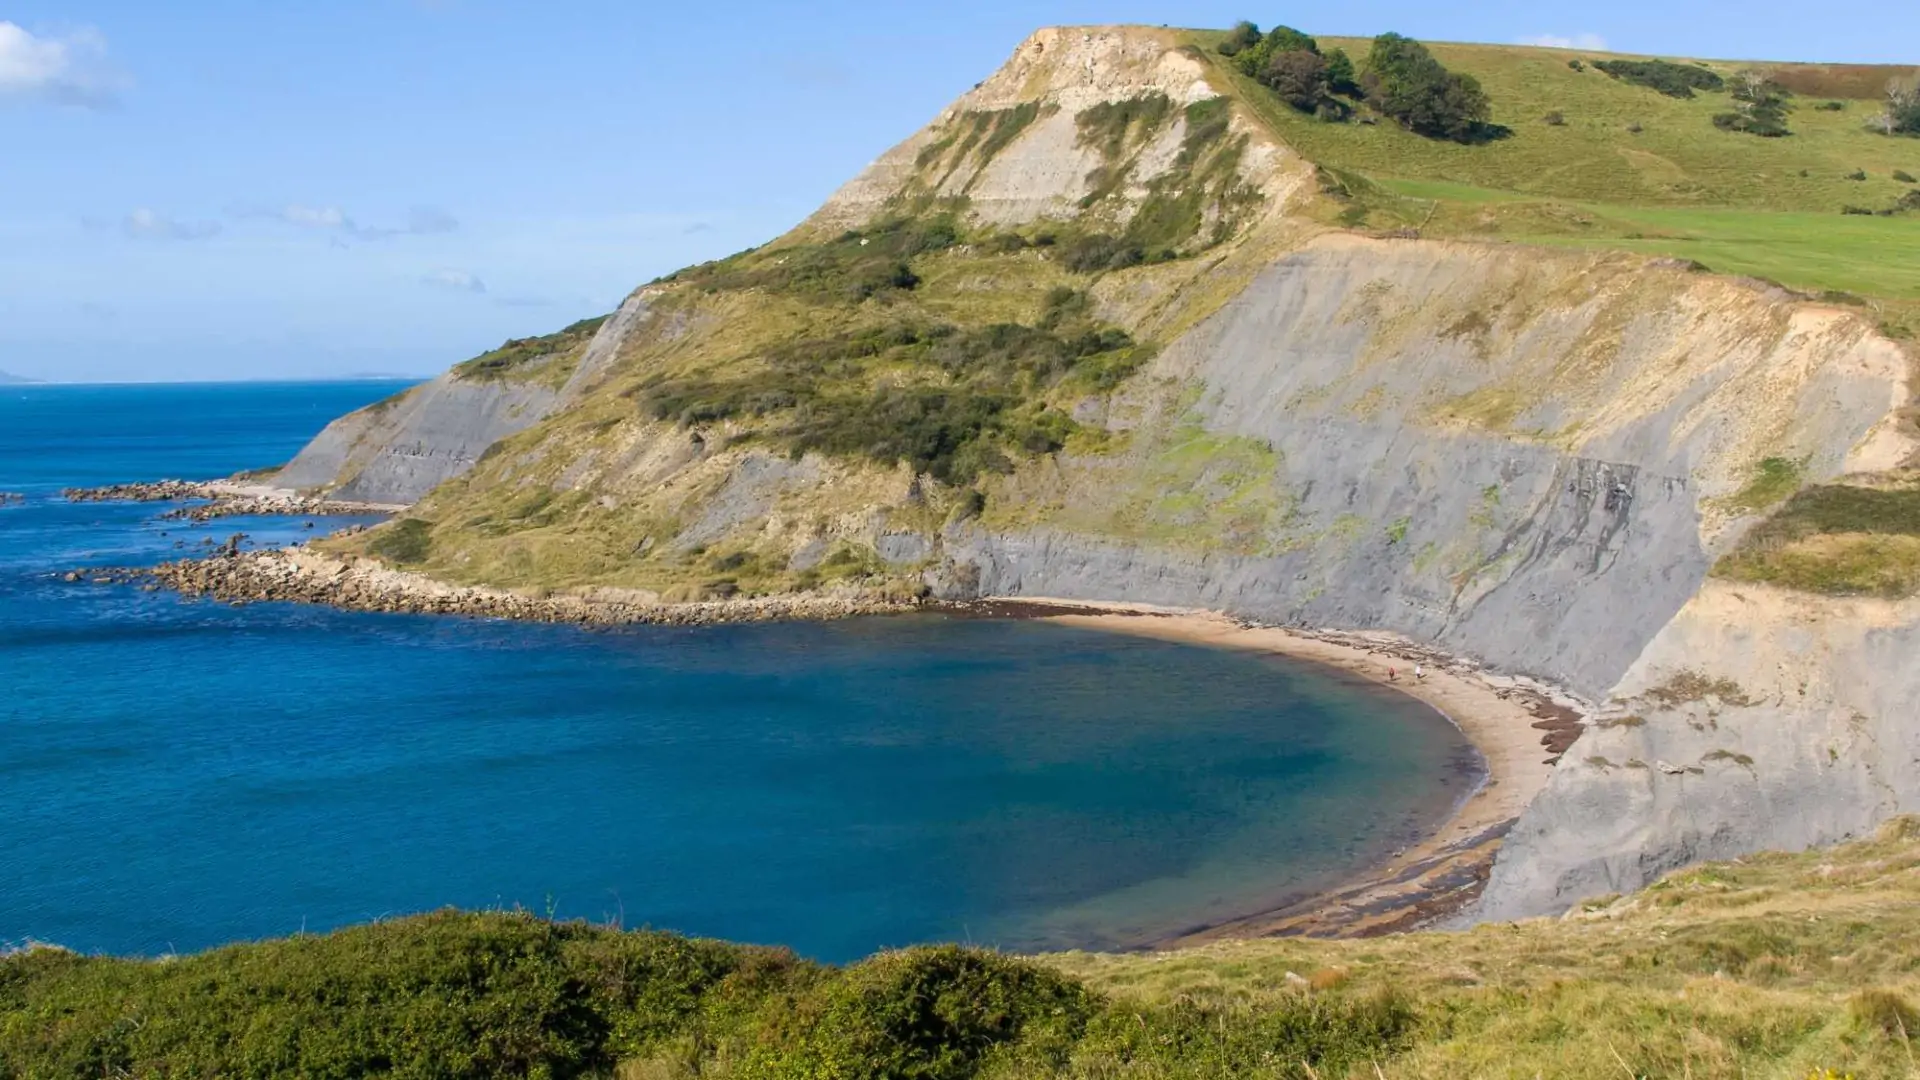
{"x":1392,"y":675}
{"x":1419,"y":673}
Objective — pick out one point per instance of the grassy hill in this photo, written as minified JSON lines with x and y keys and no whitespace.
{"x":1782,"y":967}
{"x":1626,"y":167}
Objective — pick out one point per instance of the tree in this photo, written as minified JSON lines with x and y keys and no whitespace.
{"x":1341,"y":78}
{"x":1299,"y":77}
{"x":1760,"y":109}
{"x":1903,"y":108}
{"x":1405,"y":82}
{"x":1253,"y":59}
{"x":1243,"y":36}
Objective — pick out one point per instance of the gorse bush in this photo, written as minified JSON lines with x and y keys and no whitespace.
{"x":956,"y":403}
{"x":1405,"y":82}
{"x":479,"y":996}
{"x":857,"y":265}
{"x":1673,"y":80}
{"x":1761,"y":107}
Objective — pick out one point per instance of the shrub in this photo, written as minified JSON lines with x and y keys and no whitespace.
{"x":1857,"y":174}
{"x":1342,"y":79}
{"x":930,"y":1013}
{"x":1673,"y":80}
{"x":449,"y":994}
{"x":1405,"y":82}
{"x":1832,"y":106}
{"x":1092,"y":253}
{"x":1243,"y":36}
{"x":1576,"y":65}
{"x":1903,"y":176}
{"x":1761,"y":107}
{"x":1902,"y":115}
{"x":1856,"y":211}
{"x":1299,"y":77}
{"x":1554,"y":119}
{"x":962,"y":400}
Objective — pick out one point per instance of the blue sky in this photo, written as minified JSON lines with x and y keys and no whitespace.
{"x":226,"y":189}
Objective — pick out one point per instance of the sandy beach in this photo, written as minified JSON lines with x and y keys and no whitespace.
{"x":1520,"y":728}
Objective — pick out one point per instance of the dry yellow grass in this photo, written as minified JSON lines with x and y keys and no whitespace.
{"x":1780,"y":965}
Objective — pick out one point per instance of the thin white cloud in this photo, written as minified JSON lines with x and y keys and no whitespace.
{"x":1593,"y":42}
{"x":454,"y":280}
{"x":421,"y":221}
{"x":67,"y":70}
{"x":146,"y":224}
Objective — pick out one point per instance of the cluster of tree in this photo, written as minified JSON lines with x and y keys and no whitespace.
{"x":1760,"y":107}
{"x":1673,"y":80}
{"x":1291,"y":64}
{"x":1402,"y":80}
{"x":1405,"y":82}
{"x":1903,"y":108}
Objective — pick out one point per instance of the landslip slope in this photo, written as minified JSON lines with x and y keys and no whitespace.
{"x":1095,"y":333}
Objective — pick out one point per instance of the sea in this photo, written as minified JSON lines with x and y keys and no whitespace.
{"x":178,"y":774}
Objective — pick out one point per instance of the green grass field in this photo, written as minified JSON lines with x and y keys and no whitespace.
{"x":1676,"y":186}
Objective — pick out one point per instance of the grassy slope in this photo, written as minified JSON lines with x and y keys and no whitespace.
{"x":1737,"y":203}
{"x":1778,"y":966}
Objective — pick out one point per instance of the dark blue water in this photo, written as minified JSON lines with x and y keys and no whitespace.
{"x":178,"y":774}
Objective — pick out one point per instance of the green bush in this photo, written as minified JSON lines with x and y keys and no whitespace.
{"x":1903,"y":176}
{"x":445,"y":995}
{"x":1673,"y":80}
{"x":403,"y":542}
{"x":1405,"y":82}
{"x":1243,"y":36}
{"x":854,"y":266}
{"x":971,"y":396}
{"x":470,"y":996}
{"x":927,"y":1013}
{"x":1762,"y":107}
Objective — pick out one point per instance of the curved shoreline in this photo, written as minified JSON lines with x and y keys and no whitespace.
{"x":1519,"y":728}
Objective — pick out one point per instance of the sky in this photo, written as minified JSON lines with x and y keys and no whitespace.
{"x":228,"y":189}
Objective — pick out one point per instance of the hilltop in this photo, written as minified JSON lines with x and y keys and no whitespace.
{"x":6,"y":379}
{"x":1569,"y":365}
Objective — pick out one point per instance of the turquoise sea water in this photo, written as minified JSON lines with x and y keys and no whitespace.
{"x":177,"y":774}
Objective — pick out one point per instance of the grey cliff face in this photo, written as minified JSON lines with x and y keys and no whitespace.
{"x":397,"y":451}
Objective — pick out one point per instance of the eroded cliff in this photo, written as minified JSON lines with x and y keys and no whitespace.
{"x":1092,"y":335}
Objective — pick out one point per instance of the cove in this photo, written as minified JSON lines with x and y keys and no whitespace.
{"x":178,"y":774}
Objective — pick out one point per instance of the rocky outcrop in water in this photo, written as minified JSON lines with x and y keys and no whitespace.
{"x":222,"y":498}
{"x":303,"y":576}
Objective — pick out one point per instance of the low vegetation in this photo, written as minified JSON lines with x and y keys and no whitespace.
{"x":1838,"y":540}
{"x":1405,"y":81}
{"x":1673,"y":80}
{"x":952,"y":401}
{"x":517,"y":357}
{"x":1776,"y":966}
{"x":1760,"y":107}
{"x":1402,"y":81}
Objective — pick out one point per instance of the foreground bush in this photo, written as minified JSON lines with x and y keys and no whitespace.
{"x":461,"y":995}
